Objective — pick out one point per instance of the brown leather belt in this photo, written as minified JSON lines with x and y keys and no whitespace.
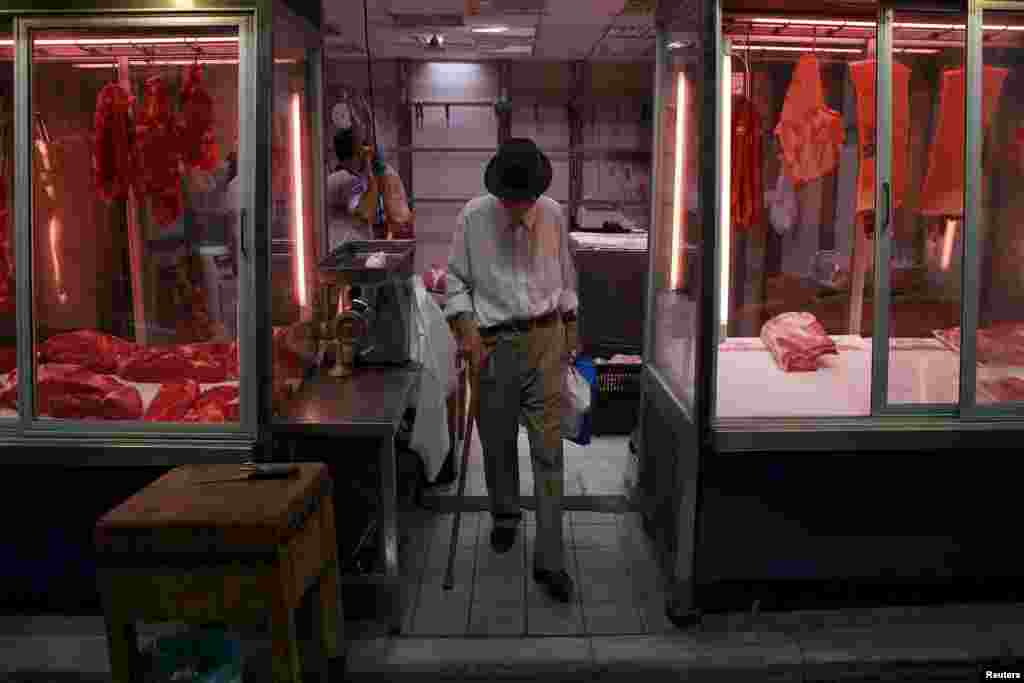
{"x":521,"y":325}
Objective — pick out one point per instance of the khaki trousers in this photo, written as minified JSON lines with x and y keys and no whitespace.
{"x":521,"y":379}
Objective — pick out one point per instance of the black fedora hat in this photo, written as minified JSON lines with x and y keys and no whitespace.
{"x":518,"y":171}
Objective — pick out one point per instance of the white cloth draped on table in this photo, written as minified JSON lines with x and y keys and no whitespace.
{"x":433,"y":347}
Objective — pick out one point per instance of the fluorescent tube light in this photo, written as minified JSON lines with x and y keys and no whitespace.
{"x":299,"y":223}
{"x":947,"y":243}
{"x":834,"y":23}
{"x":678,"y":209}
{"x":134,"y":41}
{"x":787,"y":48}
{"x":489,"y":29}
{"x":168,"y":62}
{"x":725,"y":167}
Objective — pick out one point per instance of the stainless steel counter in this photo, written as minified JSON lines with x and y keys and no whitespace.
{"x":370,"y":403}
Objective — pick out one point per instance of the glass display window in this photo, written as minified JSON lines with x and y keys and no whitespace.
{"x":298,"y":242}
{"x":8,"y":288}
{"x":851,"y":245}
{"x":678,"y":213}
{"x":999,"y":335}
{"x":134,"y":170}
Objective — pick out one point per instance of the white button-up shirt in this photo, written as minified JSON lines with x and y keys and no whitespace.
{"x":502,"y":272}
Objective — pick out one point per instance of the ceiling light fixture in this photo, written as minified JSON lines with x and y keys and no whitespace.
{"x":134,"y":41}
{"x":780,"y":21}
{"x":489,"y":29}
{"x":785,"y":48}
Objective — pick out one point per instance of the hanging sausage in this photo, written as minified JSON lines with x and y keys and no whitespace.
{"x":198,"y":142}
{"x":158,"y":152}
{"x":113,"y":159}
{"x":747,"y":191}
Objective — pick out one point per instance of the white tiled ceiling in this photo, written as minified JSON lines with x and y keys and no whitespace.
{"x":538,"y":29}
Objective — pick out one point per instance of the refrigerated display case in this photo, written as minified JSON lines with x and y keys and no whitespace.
{"x":834,"y":196}
{"x":165,"y":245}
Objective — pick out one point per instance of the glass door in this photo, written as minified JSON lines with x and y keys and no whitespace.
{"x":138,"y":185}
{"x":994,"y":315}
{"x":921,"y":222}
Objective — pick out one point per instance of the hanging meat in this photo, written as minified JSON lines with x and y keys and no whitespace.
{"x":158,"y":150}
{"x":796,"y":341}
{"x":113,"y":160}
{"x":810,"y":133}
{"x":863,"y":75}
{"x":943,"y":194}
{"x":173,"y":401}
{"x":198,"y":142}
{"x":747,"y":191}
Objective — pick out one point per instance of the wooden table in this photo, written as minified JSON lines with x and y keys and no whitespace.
{"x":228,"y":552}
{"x":370,"y":403}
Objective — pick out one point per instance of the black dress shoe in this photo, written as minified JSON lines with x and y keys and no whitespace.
{"x":557,"y":584}
{"x":503,"y":538}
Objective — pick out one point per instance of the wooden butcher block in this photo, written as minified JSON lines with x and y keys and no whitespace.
{"x":179,"y":514}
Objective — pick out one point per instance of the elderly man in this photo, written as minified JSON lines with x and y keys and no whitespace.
{"x":512,"y":302}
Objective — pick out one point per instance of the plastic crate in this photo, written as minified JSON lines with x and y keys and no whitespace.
{"x":198,"y":655}
{"x":616,"y":397}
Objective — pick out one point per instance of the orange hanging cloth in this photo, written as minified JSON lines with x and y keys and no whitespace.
{"x":747,"y":192}
{"x":943,"y":193}
{"x":810,"y":133}
{"x":863,"y":75}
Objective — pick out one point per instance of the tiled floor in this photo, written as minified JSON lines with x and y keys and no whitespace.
{"x":618,"y":585}
{"x":597,"y":469}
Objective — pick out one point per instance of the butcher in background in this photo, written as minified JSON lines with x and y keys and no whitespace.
{"x":352,"y":191}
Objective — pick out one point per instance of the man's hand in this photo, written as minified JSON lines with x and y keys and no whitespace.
{"x":467,"y":333}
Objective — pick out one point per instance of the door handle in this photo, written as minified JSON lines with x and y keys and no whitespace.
{"x":242,"y":233}
{"x":887,"y":216}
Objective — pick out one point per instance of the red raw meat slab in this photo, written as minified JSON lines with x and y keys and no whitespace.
{"x":169,"y":364}
{"x":122,"y":404}
{"x":91,"y":349}
{"x":796,"y":341}
{"x":73,"y":392}
{"x":8,"y":358}
{"x":173,"y":401}
{"x":219,"y":404}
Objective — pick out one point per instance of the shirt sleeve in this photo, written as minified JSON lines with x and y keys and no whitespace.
{"x":460,"y":279}
{"x":569,"y":301}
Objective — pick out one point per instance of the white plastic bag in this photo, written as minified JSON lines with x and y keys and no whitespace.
{"x":784,"y":208}
{"x":575,"y":403}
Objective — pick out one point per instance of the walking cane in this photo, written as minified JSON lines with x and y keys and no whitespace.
{"x":467,"y":440}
